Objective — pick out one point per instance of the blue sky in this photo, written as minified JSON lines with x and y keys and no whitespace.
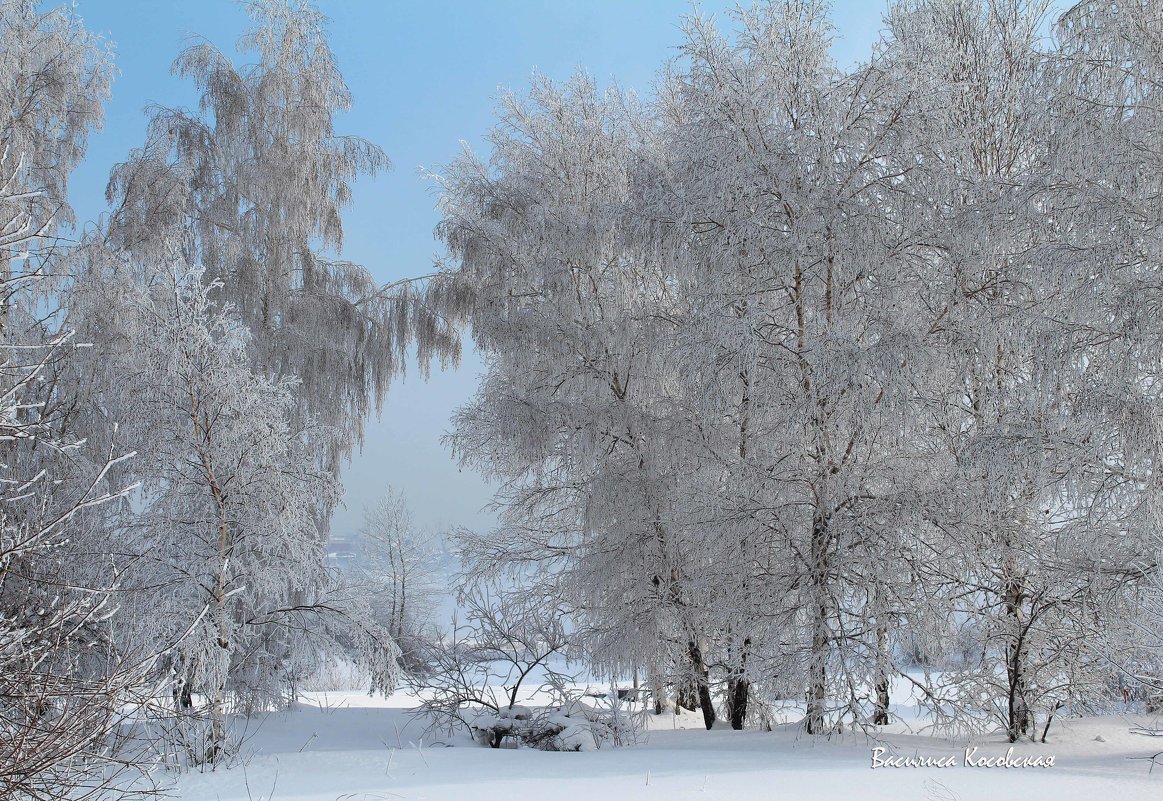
{"x":425,"y":77}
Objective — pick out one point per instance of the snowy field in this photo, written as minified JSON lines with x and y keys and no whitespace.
{"x":349,"y":747}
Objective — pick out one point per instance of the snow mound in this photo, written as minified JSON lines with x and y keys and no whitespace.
{"x":573,"y":726}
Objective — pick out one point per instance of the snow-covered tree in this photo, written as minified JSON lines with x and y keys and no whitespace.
{"x":794,"y":364}
{"x":252,"y":188}
{"x":54,"y":79}
{"x":230,"y":567}
{"x":578,"y":414}
{"x":798,"y":256}
{"x":1031,"y":504}
{"x":65,"y":680}
{"x":399,"y":574}
{"x":230,"y":347}
{"x":1106,"y":132}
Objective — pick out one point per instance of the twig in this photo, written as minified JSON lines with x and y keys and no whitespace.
{"x":1152,"y":759}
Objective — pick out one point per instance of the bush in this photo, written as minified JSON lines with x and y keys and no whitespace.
{"x":572,"y":726}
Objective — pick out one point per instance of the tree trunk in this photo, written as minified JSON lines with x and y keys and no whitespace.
{"x":182,"y":690}
{"x":739,"y":688}
{"x":217,"y":745}
{"x":880,"y":714}
{"x":817,"y":672}
{"x":186,"y":695}
{"x":817,"y":676}
{"x":1017,"y":710}
{"x":738,"y":685}
{"x":701,"y":683}
{"x":5,"y":282}
{"x":738,"y":693}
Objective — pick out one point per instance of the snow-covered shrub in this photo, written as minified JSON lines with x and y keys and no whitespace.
{"x":484,"y":662}
{"x":475,"y":675}
{"x":571,"y":726}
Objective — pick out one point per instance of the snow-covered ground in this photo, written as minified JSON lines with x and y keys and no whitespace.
{"x":349,"y":747}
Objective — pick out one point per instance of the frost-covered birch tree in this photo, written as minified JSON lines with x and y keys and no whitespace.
{"x":576,"y":416}
{"x":399,"y":574}
{"x":1029,"y":504}
{"x":252,"y":187}
{"x":230,"y":567}
{"x":233,"y":347}
{"x":1106,"y":135}
{"x":851,"y":354}
{"x":783,"y":175}
{"x":65,"y":681}
{"x":54,"y":79}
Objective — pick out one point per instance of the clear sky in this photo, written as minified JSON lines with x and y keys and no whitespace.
{"x":425,"y":77}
